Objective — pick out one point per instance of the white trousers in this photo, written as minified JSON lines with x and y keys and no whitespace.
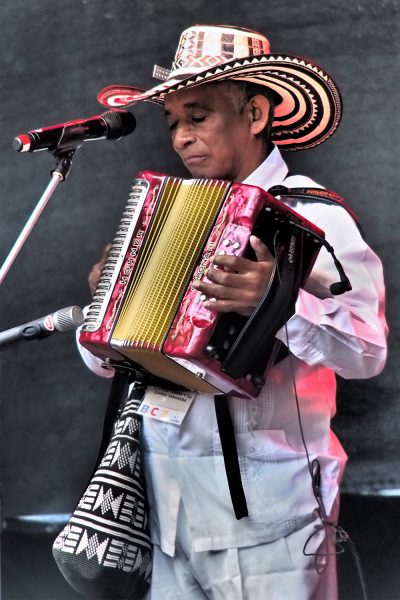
{"x":275,"y":571}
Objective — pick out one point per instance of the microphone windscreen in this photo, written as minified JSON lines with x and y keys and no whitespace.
{"x":119,"y":123}
{"x":67,"y":319}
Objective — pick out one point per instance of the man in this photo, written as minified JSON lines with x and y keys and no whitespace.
{"x":226,"y":100}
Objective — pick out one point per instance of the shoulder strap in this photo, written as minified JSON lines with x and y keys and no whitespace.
{"x":310,"y":194}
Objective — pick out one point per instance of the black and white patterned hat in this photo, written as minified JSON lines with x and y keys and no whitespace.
{"x":309,"y":105}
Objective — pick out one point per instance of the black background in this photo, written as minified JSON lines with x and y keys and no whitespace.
{"x":55,"y":58}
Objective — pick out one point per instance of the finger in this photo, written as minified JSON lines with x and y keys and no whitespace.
{"x":223,"y":306}
{"x":95,"y":273}
{"x":106,"y":251}
{"x":227,"y":305}
{"x":261,"y":250}
{"x":239,"y":298}
{"x":93,"y":280}
{"x":233,"y":264}
{"x":221,"y":292}
{"x":225,"y":277}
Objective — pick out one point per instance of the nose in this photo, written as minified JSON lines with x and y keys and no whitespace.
{"x":182,"y":137}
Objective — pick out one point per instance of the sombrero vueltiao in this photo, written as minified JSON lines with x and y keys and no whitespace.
{"x":309,"y":108}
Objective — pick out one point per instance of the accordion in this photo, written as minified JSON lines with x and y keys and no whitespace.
{"x":145,"y":310}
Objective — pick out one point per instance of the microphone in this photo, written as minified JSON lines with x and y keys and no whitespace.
{"x":65,"y":319}
{"x":111,"y":125}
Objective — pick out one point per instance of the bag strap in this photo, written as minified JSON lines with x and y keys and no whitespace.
{"x":115,"y":397}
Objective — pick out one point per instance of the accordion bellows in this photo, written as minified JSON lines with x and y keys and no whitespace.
{"x":168,"y":258}
{"x":145,"y":308}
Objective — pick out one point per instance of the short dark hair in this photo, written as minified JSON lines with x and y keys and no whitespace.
{"x":242,"y":92}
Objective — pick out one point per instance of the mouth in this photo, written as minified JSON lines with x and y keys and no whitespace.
{"x":194,"y":160}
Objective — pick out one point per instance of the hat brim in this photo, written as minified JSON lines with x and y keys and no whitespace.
{"x":310,"y":107}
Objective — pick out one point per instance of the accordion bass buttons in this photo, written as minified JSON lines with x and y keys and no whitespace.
{"x":231,"y":245}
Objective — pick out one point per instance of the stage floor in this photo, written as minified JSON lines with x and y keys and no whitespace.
{"x":373,"y":523}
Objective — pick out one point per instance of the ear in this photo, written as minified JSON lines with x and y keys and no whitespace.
{"x":259,"y":108}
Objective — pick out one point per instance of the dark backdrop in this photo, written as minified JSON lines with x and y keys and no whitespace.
{"x":55,"y":57}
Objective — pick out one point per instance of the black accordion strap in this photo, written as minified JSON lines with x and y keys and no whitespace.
{"x":315,"y":195}
{"x":257,"y":337}
{"x":230,"y":454}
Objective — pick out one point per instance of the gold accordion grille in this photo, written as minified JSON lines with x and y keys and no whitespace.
{"x":170,"y":252}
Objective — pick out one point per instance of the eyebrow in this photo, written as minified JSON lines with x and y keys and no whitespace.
{"x":191,"y":105}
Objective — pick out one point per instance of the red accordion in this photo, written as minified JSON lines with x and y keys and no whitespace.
{"x":145,"y":308}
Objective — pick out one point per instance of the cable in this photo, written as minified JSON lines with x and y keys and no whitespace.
{"x":335,"y":535}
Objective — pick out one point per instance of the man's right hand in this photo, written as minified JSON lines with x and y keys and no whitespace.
{"x":95,"y":273}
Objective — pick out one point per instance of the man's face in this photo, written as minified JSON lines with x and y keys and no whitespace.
{"x":210,"y":132}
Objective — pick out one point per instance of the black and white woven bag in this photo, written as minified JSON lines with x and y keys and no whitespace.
{"x":104,"y":551}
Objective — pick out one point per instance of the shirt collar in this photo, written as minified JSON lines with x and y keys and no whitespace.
{"x":272,"y":171}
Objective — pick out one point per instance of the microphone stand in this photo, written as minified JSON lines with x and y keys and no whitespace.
{"x":58,"y":174}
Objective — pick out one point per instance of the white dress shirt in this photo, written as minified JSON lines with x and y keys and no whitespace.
{"x":344,"y":334}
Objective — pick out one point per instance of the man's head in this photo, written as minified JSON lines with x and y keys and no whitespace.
{"x":221,"y":130}
{"x":307,"y":102}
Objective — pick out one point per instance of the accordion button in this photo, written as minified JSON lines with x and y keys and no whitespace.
{"x":211,"y":351}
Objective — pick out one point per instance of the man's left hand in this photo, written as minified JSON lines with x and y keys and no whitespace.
{"x":237,"y":284}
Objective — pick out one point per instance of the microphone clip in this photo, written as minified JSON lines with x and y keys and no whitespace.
{"x":71,"y":139}
{"x":63,"y":162}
